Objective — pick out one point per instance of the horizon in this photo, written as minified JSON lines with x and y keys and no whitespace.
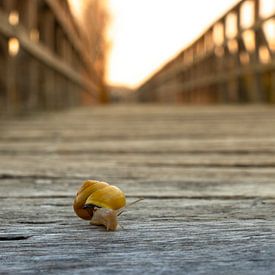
{"x":130,"y":63}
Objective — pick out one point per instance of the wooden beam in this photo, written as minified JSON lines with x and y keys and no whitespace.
{"x":61,"y":17}
{"x":221,"y":77}
{"x":42,"y":54}
{"x":235,"y":80}
{"x":206,"y":173}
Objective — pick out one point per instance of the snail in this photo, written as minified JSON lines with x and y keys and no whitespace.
{"x":100,"y":203}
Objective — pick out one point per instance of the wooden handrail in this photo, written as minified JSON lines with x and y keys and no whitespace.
{"x":41,"y":53}
{"x":208,"y":71}
{"x":55,"y":63}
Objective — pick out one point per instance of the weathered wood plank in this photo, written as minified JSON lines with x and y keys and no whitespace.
{"x":157,"y":123}
{"x":207,"y":176}
{"x":195,"y":236}
{"x":50,"y":168}
{"x":37,"y":186}
{"x":248,"y":145}
{"x":135,"y":160}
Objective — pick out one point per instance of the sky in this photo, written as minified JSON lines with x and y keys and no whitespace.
{"x":145,"y":34}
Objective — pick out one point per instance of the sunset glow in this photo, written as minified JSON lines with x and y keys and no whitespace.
{"x":145,"y":34}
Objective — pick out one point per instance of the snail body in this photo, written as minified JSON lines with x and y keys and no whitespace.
{"x":100,"y":203}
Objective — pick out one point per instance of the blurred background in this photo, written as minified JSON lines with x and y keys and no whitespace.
{"x":56,"y":54}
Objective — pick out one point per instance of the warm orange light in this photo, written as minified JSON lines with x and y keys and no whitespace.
{"x":14,"y":18}
{"x":247,"y":14}
{"x":145,"y":34}
{"x":267,"y":8}
{"x":249,"y":40}
{"x":244,"y":58}
{"x":14,"y":46}
{"x":77,"y":7}
{"x":264,"y":55}
{"x":269,"y":31}
{"x":218,"y":34}
{"x":34,"y":35}
{"x":233,"y":46}
{"x":231,"y":25}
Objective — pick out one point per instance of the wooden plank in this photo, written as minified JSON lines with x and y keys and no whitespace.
{"x":132,"y":160}
{"x":191,"y":236}
{"x":157,"y":124}
{"x":206,"y":175}
{"x":49,"y":186}
{"x":176,"y":146}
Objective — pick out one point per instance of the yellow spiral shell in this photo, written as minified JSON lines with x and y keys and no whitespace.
{"x":100,"y":194}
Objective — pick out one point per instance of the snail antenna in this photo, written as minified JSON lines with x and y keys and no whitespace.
{"x":120,"y":211}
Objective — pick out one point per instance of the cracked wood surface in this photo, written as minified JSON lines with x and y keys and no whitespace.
{"x":207,"y":175}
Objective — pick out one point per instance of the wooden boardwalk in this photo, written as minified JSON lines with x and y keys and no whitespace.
{"x":207,"y":175}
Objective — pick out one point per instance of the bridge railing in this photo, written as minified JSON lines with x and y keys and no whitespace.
{"x":44,"y":58}
{"x":233,"y":61}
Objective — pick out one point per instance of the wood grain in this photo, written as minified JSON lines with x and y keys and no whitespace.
{"x":206,"y":173}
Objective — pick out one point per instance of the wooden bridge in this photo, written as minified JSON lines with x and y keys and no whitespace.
{"x":47,"y":60}
{"x":232,"y":61}
{"x":206,"y":173}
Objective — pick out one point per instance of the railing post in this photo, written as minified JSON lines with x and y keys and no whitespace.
{"x":222,"y":86}
{"x":11,"y":85}
{"x":47,"y":30}
{"x":3,"y":91}
{"x":256,"y":93}
{"x":31,"y":24}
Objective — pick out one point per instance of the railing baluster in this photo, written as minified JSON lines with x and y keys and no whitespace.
{"x":44,"y":58}
{"x":235,"y":69}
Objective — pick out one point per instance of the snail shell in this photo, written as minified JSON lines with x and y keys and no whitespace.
{"x":99,"y":202}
